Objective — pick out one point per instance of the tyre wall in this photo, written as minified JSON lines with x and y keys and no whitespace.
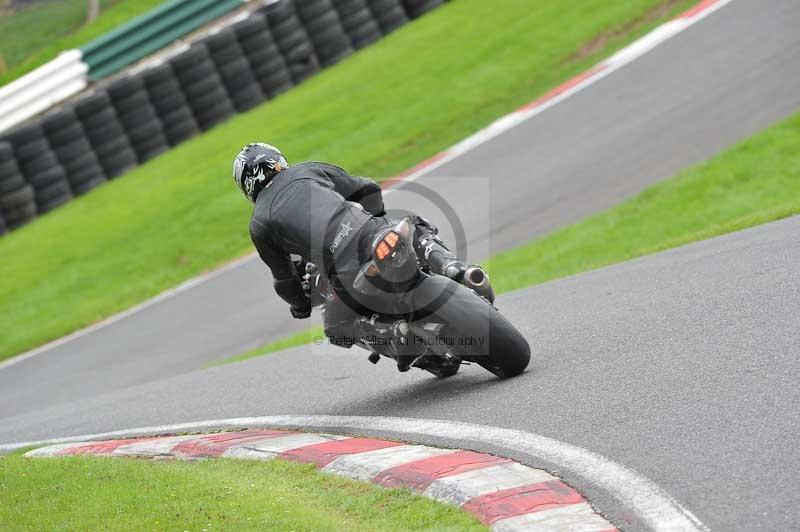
{"x":123,"y":123}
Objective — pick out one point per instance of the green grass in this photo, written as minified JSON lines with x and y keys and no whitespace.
{"x":301,"y":338}
{"x":33,"y":36}
{"x":756,"y":182}
{"x":406,"y":98}
{"x":84,"y":493}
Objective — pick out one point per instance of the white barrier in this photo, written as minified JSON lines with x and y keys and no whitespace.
{"x":41,"y":89}
{"x":66,"y":76}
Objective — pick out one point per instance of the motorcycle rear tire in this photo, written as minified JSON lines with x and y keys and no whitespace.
{"x":465,"y":315}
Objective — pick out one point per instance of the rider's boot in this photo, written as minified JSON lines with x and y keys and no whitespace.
{"x":407,"y":352}
{"x":397,"y":334}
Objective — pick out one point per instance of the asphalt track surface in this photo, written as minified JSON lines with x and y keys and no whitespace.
{"x":720,"y":81}
{"x":678,"y":365}
{"x":681,"y":366}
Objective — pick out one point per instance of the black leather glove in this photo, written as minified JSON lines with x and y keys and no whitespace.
{"x":301,"y":312}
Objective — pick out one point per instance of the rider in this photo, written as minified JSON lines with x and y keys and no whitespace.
{"x":319,"y":212}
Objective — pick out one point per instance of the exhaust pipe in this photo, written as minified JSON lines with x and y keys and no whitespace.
{"x":477,"y":279}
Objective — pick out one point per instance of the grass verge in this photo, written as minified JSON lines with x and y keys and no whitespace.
{"x":755,"y":182}
{"x":89,"y":493}
{"x":32,"y":36}
{"x":301,"y":338}
{"x":403,"y":99}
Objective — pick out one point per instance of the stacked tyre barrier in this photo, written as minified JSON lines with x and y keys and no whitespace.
{"x":106,"y":135}
{"x":202,"y":86}
{"x":234,"y":70}
{"x":292,"y":39}
{"x":69,"y":142}
{"x":389,"y":14}
{"x":170,"y":104}
{"x":40,"y":167}
{"x":417,"y":8}
{"x":17,"y":204}
{"x":325,"y":30}
{"x":358,"y":22}
{"x":124,"y":123}
{"x":263,"y":55}
{"x":138,"y":117}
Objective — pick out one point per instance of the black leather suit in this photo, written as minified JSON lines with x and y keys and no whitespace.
{"x":302,"y":212}
{"x":323,"y":214}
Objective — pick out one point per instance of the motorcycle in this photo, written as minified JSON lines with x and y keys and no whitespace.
{"x":442,"y":323}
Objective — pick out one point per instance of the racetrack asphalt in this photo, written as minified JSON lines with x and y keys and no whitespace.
{"x":679,"y":366}
{"x":720,"y":81}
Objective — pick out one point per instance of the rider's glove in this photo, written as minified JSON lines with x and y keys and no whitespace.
{"x":291,"y":291}
{"x":301,"y":312}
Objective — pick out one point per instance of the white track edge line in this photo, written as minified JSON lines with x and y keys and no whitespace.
{"x":655,"y":508}
{"x":502,"y":125}
{"x":619,"y":59}
{"x":167,"y":294}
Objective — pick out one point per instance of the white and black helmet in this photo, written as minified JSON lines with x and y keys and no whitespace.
{"x":255,"y":166}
